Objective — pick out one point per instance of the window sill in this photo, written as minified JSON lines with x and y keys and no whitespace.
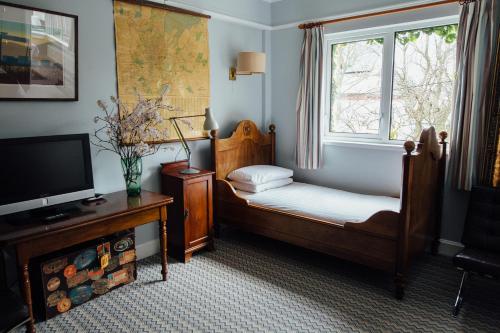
{"x":397,"y":147}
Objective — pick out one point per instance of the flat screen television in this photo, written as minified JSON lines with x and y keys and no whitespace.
{"x":44,"y":171}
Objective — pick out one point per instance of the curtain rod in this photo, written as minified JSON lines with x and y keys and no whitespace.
{"x":384,"y":12}
{"x":163,"y":5}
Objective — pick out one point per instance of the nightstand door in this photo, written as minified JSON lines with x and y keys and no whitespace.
{"x":198,"y":201}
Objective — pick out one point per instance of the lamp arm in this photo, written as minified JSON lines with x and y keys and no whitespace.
{"x":177,"y":129}
{"x":183,"y":140}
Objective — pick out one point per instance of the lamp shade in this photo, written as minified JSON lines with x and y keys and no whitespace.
{"x":251,"y":62}
{"x":210,"y":122}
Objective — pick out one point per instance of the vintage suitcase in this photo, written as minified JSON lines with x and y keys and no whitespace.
{"x":76,"y":275}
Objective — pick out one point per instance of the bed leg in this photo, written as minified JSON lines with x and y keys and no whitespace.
{"x":400,"y":283}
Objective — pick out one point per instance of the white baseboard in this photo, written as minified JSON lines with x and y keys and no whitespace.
{"x":449,"y":248}
{"x":147,"y":249}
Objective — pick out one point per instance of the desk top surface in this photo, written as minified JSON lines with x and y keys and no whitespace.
{"x":116,"y":204}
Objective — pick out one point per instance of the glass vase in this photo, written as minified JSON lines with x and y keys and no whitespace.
{"x":132,"y":172}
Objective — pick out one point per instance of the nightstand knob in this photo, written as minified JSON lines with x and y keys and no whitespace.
{"x":186,"y":214}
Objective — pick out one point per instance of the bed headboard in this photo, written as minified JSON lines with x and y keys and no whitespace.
{"x":246,"y":146}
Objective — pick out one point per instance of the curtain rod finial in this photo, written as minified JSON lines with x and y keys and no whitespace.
{"x":310,"y":25}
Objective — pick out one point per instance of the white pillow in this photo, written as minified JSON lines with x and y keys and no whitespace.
{"x":261,"y":187}
{"x":259,"y":174}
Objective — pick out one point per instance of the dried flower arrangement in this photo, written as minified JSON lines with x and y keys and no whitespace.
{"x":131,"y":133}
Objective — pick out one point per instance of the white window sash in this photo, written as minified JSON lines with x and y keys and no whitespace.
{"x":388,"y":34}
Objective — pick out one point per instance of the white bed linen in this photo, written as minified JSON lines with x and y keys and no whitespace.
{"x":259,"y":174}
{"x":322,"y":203}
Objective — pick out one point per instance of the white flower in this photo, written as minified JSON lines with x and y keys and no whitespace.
{"x":101,"y":105}
{"x":135,"y":125}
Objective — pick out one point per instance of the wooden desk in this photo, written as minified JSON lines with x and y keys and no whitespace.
{"x":33,"y":238}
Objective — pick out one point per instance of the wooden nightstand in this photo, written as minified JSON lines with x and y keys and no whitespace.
{"x":190,"y":217}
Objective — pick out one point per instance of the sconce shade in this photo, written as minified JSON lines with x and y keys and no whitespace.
{"x":210,"y":123}
{"x":251,"y":63}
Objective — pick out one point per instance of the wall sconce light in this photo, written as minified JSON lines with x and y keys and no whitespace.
{"x":248,"y":63}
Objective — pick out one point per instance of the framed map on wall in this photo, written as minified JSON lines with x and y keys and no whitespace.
{"x":159,"y":45}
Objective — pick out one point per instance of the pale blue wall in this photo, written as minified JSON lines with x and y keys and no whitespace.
{"x":252,"y":10}
{"x":288,"y":11}
{"x":260,"y":98}
{"x":351,"y":168}
{"x":231,"y":101}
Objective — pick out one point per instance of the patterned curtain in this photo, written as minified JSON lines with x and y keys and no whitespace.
{"x":496,"y":171}
{"x":473,"y":114}
{"x":309,"y":100}
{"x":491,"y":171}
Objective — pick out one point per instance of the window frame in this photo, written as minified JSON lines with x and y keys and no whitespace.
{"x":388,"y":33}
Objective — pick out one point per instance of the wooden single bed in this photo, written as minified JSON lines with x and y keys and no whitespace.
{"x":388,"y":240}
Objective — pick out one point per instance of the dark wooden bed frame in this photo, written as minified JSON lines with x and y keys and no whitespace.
{"x":387,"y":240}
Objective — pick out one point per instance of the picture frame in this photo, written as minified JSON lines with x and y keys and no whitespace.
{"x":38,"y":54}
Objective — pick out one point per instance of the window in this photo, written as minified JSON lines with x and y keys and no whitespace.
{"x":356,"y":87}
{"x":386,"y":85}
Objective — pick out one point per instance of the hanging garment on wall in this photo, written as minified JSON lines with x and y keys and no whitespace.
{"x":492,"y":167}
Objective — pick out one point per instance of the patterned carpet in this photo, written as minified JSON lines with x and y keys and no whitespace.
{"x":251,"y":284}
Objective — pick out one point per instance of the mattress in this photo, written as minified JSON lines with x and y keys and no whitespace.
{"x":322,"y":203}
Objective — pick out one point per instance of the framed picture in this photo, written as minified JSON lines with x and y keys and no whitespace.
{"x":38,"y":54}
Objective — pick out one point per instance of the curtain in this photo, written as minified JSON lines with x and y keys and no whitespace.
{"x":492,"y":170}
{"x":309,"y":100}
{"x":496,"y":168}
{"x":473,"y":112}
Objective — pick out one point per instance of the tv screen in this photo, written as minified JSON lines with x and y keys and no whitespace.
{"x":43,"y":167}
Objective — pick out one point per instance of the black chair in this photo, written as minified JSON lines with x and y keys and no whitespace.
{"x":481,"y":238}
{"x":13,"y":309}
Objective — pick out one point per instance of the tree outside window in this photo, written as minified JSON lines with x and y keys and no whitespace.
{"x":391,"y":86}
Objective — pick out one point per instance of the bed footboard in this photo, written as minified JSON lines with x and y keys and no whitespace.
{"x":421,"y":200}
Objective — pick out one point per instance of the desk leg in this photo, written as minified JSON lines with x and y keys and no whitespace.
{"x":24,"y":271}
{"x":163,"y":243}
